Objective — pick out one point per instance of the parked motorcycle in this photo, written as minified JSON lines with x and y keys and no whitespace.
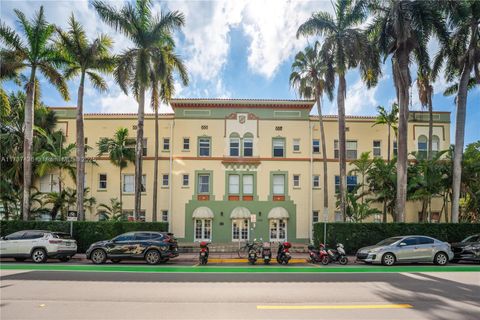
{"x":204,"y":251}
{"x":252,"y":252}
{"x":283,"y":253}
{"x":266,"y":252}
{"x":337,"y":255}
{"x":318,"y":255}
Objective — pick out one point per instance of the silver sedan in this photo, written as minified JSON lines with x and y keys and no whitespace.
{"x":405,"y":249}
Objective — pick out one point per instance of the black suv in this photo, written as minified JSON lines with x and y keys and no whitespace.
{"x":468,"y":249}
{"x":153,"y":247}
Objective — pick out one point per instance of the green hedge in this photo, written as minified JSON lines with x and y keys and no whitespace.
{"x":85,"y":232}
{"x":356,"y":235}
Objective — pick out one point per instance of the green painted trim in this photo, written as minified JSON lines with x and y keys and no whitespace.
{"x":266,"y":113}
{"x":285,"y":173}
{"x":284,"y":146}
{"x":240,"y":194}
{"x":239,"y":269}
{"x":210,"y":191}
{"x":198,"y":146}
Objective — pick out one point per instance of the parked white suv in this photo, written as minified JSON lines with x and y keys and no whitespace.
{"x":38,"y":245}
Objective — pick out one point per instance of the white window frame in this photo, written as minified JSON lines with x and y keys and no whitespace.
{"x":241,"y":229}
{"x":186,"y":142}
{"x":245,"y":140}
{"x":247,"y":184}
{"x":234,"y":140}
{"x":200,"y":147}
{"x":316,"y":181}
{"x":144,"y":183}
{"x":187,"y":176}
{"x":296,"y":145}
{"x":377,"y":150}
{"x":276,"y":184}
{"x":234,"y":184}
{"x":167,"y":180}
{"x":296,"y":181}
{"x":203,"y":229}
{"x":276,"y":143}
{"x":165,"y":213}
{"x":277,"y":230}
{"x":50,"y":182}
{"x":314,"y":146}
{"x":166,"y":143}
{"x":100,"y":181}
{"x":200,"y":183}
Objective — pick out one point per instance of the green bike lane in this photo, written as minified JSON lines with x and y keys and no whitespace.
{"x":240,"y":269}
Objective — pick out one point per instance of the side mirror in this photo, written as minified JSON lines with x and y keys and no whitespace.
{"x":402,"y":244}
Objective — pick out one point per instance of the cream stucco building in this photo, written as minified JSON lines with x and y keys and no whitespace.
{"x":225,"y":163}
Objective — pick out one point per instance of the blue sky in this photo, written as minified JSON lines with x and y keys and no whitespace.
{"x":234,"y":49}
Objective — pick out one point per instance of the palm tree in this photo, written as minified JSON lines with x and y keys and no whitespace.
{"x":84,"y":59}
{"x":361,"y":166}
{"x":461,"y":55}
{"x":112,"y":211}
{"x":402,"y":28}
{"x":381,"y":181}
{"x":425,"y":93}
{"x":37,"y":54}
{"x":312,"y":77}
{"x":135,"y":66}
{"x":120,"y":151}
{"x":163,"y":89}
{"x":391,"y":120}
{"x":56,"y":156}
{"x":344,"y":44}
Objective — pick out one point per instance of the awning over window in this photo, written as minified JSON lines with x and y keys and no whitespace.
{"x":278,"y":213}
{"x":240,"y":213}
{"x":202,"y":213}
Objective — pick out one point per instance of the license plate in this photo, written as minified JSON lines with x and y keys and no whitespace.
{"x":266,"y":257}
{"x":202,"y":254}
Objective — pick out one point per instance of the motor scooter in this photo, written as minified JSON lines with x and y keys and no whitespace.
{"x":283,"y":253}
{"x":337,"y":255}
{"x":252,"y":252}
{"x":318,"y":255}
{"x":266,"y":252}
{"x":204,"y":251}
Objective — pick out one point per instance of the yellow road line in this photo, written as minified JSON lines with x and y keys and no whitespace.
{"x":367,"y":306}
{"x":259,"y":261}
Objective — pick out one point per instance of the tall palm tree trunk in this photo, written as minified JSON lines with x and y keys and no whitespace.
{"x":139,"y":152}
{"x":155,"y":169}
{"x":120,"y":189}
{"x":342,"y":143}
{"x":324,"y":157}
{"x":402,"y":82}
{"x":389,"y":142}
{"x":28,"y":145}
{"x":459,"y":139}
{"x":80,"y":151}
{"x":430,"y":124}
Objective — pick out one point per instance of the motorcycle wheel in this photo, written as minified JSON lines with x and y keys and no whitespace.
{"x":343,"y":261}
{"x":325,"y":261}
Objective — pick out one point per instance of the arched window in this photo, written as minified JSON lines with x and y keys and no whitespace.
{"x":422,"y":146}
{"x":248,"y":144}
{"x":435,"y":143}
{"x":234,"y":145}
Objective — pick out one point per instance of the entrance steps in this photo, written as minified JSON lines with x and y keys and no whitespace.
{"x":230,"y":247}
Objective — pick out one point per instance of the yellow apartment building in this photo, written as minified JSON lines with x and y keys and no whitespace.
{"x":233,"y":169}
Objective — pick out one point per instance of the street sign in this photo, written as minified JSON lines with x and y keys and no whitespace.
{"x":72,"y":218}
{"x":253,"y":218}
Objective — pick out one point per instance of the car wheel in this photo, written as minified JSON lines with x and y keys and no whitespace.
{"x":388,"y":259}
{"x":152,"y":256}
{"x":98,"y":256}
{"x":64,"y":259}
{"x":19,"y":259}
{"x":39,"y":255}
{"x":116,"y":260}
{"x":440,"y":259}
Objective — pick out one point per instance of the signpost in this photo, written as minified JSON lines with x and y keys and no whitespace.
{"x":72,"y":216}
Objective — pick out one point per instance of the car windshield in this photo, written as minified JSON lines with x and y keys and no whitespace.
{"x":471,"y":238}
{"x":388,"y":241}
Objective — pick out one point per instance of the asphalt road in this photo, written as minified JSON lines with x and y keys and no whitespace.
{"x":131,"y":295}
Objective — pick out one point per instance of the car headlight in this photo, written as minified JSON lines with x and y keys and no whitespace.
{"x":470,"y":247}
{"x":374,"y":250}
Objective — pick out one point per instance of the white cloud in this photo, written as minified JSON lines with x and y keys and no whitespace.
{"x":360,"y":100}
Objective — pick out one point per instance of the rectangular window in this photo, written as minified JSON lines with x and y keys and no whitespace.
{"x":296,"y":145}
{"x":164,"y":215}
{"x":316,"y":146}
{"x":166,"y":144}
{"x":165,"y":178}
{"x":144,"y":150}
{"x":203,"y":183}
{"x":129,"y":183}
{"x":338,"y":216}
{"x":49,"y":183}
{"x":296,"y":181}
{"x":377,"y":218}
{"x":351,"y":148}
{"x":131,"y":217}
{"x":395,"y":148}
{"x":316,"y":181}
{"x":204,"y":146}
{"x":102,"y":181}
{"x":233,"y":184}
{"x":278,"y":147}
{"x":234,"y":147}
{"x":377,"y":148}
{"x":278,"y":184}
{"x":247,"y":184}
{"x":247,"y":147}
{"x":315,"y":217}
{"x":185,"y":180}
{"x":351,"y":183}
{"x":186,"y":144}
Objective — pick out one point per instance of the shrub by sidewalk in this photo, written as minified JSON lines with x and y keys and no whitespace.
{"x":85,"y":232}
{"x":356,"y":235}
